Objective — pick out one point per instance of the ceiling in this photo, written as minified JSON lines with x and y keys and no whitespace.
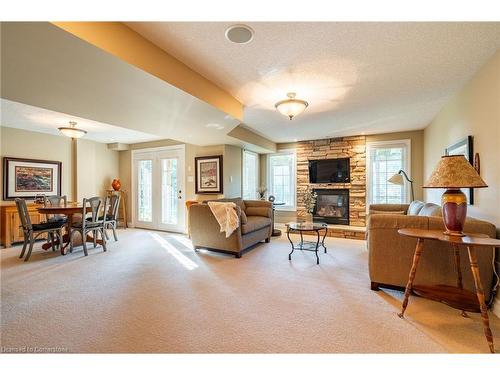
{"x":60,"y":77}
{"x":27,"y":117}
{"x":359,"y":78}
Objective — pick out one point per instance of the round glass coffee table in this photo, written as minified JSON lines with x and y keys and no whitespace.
{"x":300,"y":228}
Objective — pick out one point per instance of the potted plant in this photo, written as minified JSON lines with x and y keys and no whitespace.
{"x":310,"y":198}
{"x":262,"y":192}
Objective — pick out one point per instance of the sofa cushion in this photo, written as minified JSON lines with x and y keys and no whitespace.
{"x":430,"y":209}
{"x":259,"y":211}
{"x":255,"y":223}
{"x":415,"y":207}
{"x":243,"y":218}
{"x":387,"y":212}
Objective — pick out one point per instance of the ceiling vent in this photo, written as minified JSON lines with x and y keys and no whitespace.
{"x":239,"y":34}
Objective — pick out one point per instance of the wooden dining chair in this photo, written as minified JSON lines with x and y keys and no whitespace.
{"x":55,"y":201}
{"x":32,"y":231}
{"x":110,"y":215}
{"x":90,"y":223}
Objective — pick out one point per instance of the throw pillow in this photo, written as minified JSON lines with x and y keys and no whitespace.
{"x":415,"y":208}
{"x":243,"y":218}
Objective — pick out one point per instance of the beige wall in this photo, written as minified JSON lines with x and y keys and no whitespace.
{"x":417,"y":155}
{"x":474,"y":111}
{"x":232,"y":171}
{"x":96,"y":166}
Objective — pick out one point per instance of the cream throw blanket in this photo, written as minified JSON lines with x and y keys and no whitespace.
{"x":226,"y":216}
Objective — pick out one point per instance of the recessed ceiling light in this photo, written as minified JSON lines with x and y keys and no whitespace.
{"x":240,"y":34}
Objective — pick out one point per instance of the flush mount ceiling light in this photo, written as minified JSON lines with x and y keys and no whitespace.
{"x":239,"y":34}
{"x":72,"y":131}
{"x":291,"y":107}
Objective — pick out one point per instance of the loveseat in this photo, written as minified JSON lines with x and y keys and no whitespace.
{"x":391,"y":254}
{"x":256,"y":225}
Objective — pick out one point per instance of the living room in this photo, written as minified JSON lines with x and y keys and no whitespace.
{"x":203,"y":187}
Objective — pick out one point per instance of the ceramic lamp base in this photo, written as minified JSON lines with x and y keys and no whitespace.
{"x":454,"y":203}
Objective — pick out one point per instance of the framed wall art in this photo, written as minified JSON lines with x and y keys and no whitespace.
{"x":27,"y":178}
{"x":208,"y":173}
{"x":464,"y":147}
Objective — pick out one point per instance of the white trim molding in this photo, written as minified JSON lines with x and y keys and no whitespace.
{"x":406,"y":167}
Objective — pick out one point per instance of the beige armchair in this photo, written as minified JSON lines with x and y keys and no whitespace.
{"x":390,"y":254}
{"x":255,"y":226}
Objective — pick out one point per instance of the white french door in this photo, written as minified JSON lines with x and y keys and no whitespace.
{"x":159,"y":189}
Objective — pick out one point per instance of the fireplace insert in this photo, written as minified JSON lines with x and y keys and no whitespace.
{"x":332,"y":206}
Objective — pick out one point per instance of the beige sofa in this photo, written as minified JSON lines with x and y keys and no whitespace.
{"x":390,"y":254}
{"x":255,"y":225}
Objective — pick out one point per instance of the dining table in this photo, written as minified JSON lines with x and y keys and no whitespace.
{"x":69,"y":210}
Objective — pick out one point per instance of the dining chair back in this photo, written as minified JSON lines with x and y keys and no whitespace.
{"x":32,"y":231}
{"x":22,"y":210}
{"x":95,"y":204}
{"x":55,"y":201}
{"x":91,"y":222}
{"x":110,"y":217}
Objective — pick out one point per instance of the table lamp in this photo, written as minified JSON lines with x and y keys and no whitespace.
{"x":397,"y":179}
{"x":452,"y":173}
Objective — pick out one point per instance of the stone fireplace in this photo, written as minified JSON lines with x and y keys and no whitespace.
{"x":353,"y":148}
{"x":332,"y":206}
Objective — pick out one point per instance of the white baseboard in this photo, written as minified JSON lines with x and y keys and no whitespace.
{"x":496,"y":306}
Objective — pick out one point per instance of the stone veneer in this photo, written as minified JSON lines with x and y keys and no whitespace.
{"x":345,"y":147}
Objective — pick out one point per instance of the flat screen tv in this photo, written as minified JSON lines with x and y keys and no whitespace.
{"x":329,"y":171}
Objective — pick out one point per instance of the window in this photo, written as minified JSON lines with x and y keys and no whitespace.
{"x":281,"y":179}
{"x":384,"y":159}
{"x":250,"y":174}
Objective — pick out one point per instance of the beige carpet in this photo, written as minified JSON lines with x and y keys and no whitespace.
{"x":151,"y":293}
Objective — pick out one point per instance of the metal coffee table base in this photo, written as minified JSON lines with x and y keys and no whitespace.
{"x":307,"y":245}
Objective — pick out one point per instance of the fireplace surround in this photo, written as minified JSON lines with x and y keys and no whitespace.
{"x":332,"y":206}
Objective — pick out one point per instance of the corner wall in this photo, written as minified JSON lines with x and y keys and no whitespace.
{"x":474,"y":111}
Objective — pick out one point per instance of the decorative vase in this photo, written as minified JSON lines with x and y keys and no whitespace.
{"x":454,"y":203}
{"x":116,"y":184}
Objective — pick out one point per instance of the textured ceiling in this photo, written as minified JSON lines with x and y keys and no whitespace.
{"x":358,"y":77}
{"x":27,"y":117}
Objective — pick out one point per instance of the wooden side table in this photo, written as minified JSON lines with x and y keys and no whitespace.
{"x":455,"y":297}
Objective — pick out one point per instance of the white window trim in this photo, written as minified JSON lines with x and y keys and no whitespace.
{"x":406,"y":167}
{"x":243,"y":175}
{"x":293,"y":152}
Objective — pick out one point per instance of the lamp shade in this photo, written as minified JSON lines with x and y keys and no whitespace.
{"x":454,"y":172}
{"x":396,"y":179}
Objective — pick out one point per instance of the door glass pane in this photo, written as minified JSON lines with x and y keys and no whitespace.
{"x":169,"y":191}
{"x":145,"y":181}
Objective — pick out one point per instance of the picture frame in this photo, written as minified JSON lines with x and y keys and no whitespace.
{"x":208,"y":175}
{"x":28,"y":178}
{"x":464,"y":147}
